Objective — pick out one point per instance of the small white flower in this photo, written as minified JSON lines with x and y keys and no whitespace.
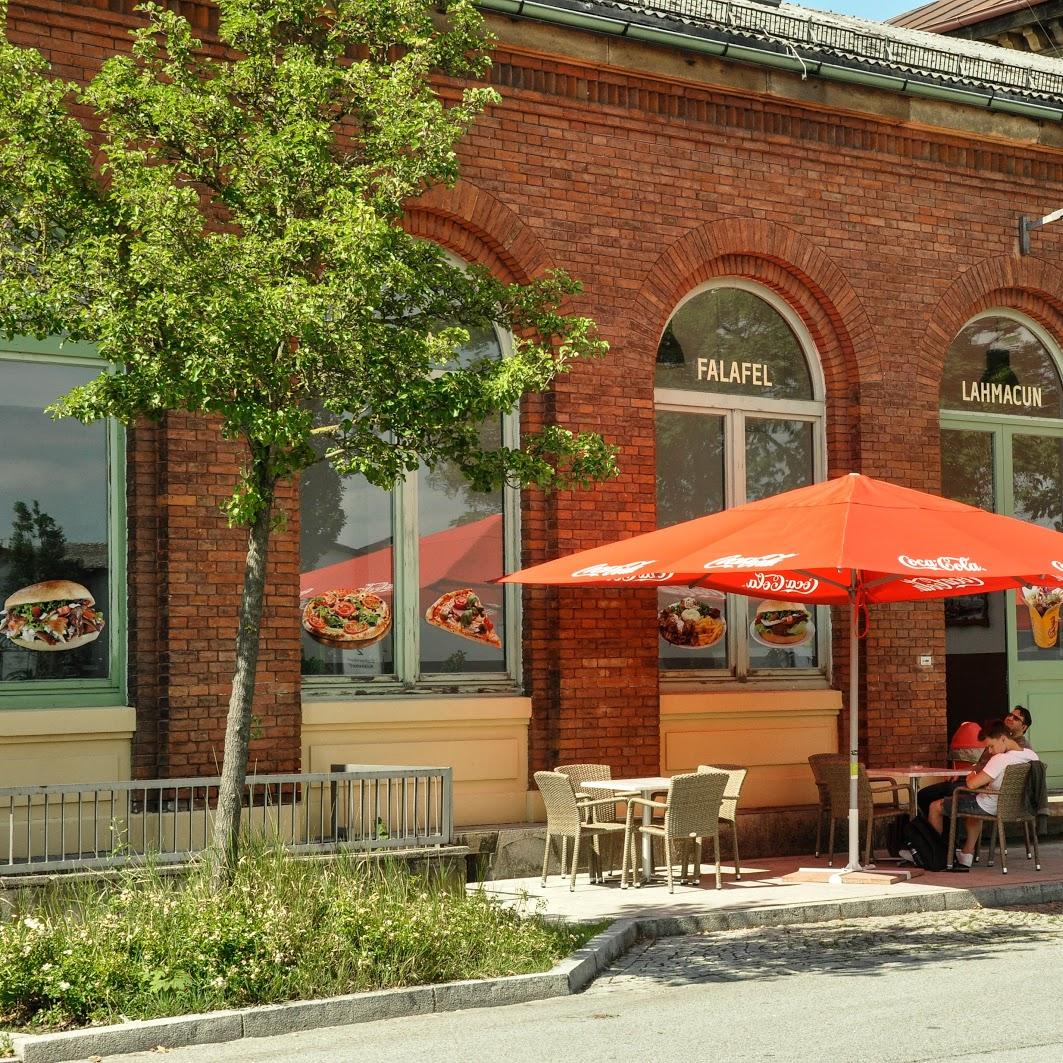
{"x":64,"y":986}
{"x":46,"y":967}
{"x":218,"y":982}
{"x":31,"y":923}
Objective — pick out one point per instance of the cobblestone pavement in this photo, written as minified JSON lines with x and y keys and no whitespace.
{"x":853,"y":945}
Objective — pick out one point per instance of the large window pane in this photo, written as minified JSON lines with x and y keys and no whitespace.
{"x":690,"y":483}
{"x":347,"y":583}
{"x":461,"y":547}
{"x":690,"y":463}
{"x":1037,"y":462}
{"x":54,"y":571}
{"x":778,"y":456}
{"x":729,"y":341}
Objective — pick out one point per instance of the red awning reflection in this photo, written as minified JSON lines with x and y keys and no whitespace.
{"x":467,"y":555}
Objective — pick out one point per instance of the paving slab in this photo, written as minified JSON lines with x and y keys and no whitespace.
{"x":777,"y":890}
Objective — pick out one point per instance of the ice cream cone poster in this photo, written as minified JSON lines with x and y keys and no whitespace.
{"x":1043,"y":604}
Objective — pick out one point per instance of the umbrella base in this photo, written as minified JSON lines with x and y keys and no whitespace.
{"x":858,"y":876}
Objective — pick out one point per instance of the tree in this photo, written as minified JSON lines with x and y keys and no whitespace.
{"x":238,"y":252}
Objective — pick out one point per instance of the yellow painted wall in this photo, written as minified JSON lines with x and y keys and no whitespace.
{"x":770,"y":732}
{"x":485,"y":741}
{"x":65,"y":745}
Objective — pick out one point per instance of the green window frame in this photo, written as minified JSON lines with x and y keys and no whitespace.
{"x":108,"y":690}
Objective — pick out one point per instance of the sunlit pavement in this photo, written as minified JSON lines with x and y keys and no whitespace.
{"x":768,"y":885}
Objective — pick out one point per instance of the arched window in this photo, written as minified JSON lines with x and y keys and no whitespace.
{"x":427,"y":548}
{"x":739,"y":416}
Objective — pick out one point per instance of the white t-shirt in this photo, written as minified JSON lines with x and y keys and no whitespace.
{"x":994,"y":768}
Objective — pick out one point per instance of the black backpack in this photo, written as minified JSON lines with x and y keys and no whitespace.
{"x":927,"y":846}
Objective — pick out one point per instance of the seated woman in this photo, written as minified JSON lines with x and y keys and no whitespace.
{"x":1004,"y":749}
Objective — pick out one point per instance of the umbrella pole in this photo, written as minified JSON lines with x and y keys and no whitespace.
{"x":854,"y":736}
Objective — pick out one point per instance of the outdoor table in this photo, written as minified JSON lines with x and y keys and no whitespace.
{"x":646,"y":787}
{"x":913,"y":773}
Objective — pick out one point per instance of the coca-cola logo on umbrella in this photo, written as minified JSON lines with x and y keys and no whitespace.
{"x":598,"y":571}
{"x":777,"y":583}
{"x":741,"y":561}
{"x":943,"y":564}
{"x":930,"y":584}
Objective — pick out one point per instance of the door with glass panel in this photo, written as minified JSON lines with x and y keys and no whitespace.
{"x":1002,"y":450}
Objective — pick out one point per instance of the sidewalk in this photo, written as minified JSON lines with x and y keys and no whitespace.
{"x":771,"y":891}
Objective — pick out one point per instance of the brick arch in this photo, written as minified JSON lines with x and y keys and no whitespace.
{"x":1029,"y":285}
{"x":804,"y":276}
{"x":477,"y":227}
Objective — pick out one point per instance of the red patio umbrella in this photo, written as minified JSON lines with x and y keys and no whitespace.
{"x":851,"y":540}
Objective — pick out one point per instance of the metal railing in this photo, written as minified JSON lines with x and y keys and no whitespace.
{"x":360,"y":807}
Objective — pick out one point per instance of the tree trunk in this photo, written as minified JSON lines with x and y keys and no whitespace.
{"x":225,"y":843}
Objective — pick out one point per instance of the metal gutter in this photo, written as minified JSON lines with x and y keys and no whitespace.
{"x":747,"y":52}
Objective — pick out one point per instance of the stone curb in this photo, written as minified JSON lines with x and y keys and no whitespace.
{"x":568,"y":976}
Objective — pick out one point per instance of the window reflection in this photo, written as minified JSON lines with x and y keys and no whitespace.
{"x":461,"y":548}
{"x":53,"y":530}
{"x":346,"y":557}
{"x":452,"y":616}
{"x":730,"y":341}
{"x":996,"y":364}
{"x":778,"y":456}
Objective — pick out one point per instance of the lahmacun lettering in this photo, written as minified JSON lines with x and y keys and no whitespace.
{"x":945,"y":564}
{"x":928,"y":584}
{"x":777,"y":583}
{"x":740,"y":561}
{"x":612,"y":570}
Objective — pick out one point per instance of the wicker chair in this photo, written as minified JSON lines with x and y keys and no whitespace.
{"x":1011,"y":808}
{"x":736,"y":777}
{"x":605,"y":813}
{"x":691,"y":813}
{"x":581,"y":773}
{"x":837,"y":777}
{"x":816,"y":762}
{"x":567,"y":819}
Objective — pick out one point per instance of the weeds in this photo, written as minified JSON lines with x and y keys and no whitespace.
{"x":149,"y":946}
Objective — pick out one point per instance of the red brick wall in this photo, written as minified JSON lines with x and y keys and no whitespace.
{"x":884,"y":237}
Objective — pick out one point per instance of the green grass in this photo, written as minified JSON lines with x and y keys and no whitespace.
{"x":148,"y":945}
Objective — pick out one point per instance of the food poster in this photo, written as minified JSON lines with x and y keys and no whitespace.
{"x":347,"y":616}
{"x":462,"y":625}
{"x":1037,"y":622}
{"x":691,"y":628}
{"x":781,"y":634}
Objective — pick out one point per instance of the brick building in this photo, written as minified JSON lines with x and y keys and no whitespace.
{"x":829,"y":203}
